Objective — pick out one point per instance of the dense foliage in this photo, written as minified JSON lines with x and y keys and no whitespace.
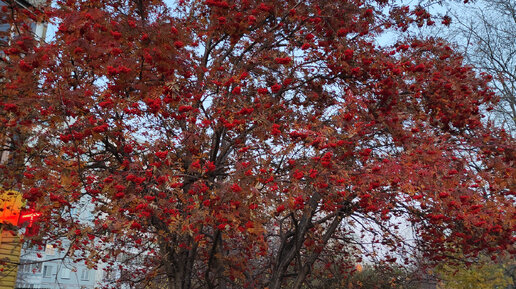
{"x":245,"y":143}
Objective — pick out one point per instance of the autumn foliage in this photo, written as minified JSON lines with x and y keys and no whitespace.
{"x":251,"y":144}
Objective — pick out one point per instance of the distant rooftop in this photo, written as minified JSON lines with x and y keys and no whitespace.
{"x":35,"y":3}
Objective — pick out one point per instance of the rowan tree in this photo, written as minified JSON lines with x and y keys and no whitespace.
{"x":251,"y":144}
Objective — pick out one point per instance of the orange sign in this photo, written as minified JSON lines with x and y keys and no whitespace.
{"x":10,"y":245}
{"x":10,"y":204}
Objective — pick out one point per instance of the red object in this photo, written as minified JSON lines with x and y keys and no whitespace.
{"x":31,"y":217}
{"x":28,"y":216}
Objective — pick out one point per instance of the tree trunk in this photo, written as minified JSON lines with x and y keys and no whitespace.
{"x":290,"y":248}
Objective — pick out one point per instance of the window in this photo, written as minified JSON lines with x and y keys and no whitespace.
{"x":85,"y":275}
{"x":47,"y":271}
{"x":4,"y":26}
{"x":36,"y":267}
{"x":29,"y":266}
{"x":65,"y":273}
{"x":23,"y":267}
{"x":50,"y":250}
{"x":6,"y":32}
{"x":106,"y":275}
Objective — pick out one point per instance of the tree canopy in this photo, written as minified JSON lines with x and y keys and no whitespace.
{"x":250,"y":144}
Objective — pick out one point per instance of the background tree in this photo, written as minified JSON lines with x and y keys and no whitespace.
{"x":483,"y":273}
{"x":486,"y":32}
{"x":371,"y":276}
{"x":385,"y":276}
{"x":230,"y":144}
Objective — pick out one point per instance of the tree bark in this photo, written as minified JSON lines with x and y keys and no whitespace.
{"x":289,"y":248}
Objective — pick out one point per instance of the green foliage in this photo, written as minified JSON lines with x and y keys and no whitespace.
{"x":485,"y":274}
{"x":383,"y":277}
{"x":378,"y":276}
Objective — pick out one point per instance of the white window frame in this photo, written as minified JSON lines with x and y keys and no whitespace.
{"x":85,"y":275}
{"x":50,"y":250}
{"x":47,"y":271}
{"x":65,"y":273}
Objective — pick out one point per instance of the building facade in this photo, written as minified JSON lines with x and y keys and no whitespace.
{"x":52,"y":270}
{"x":39,"y":29}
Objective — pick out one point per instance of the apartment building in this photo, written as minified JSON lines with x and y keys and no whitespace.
{"x":52,"y":270}
{"x":31,"y":6}
{"x":49,"y":267}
